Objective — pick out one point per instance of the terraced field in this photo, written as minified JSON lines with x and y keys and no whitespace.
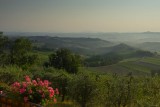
{"x":152,"y":60}
{"x":138,"y":66}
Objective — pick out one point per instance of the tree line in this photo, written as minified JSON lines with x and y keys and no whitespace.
{"x":20,"y":52}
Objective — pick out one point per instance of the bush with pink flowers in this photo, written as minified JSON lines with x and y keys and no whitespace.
{"x":35,"y":91}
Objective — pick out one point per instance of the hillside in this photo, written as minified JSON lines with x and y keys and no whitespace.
{"x":120,"y":48}
{"x":78,"y":45}
{"x":115,"y":54}
{"x":151,"y":46}
{"x":144,"y":40}
{"x":86,"y":46}
{"x":136,"y":66}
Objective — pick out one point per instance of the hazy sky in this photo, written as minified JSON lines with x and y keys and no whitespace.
{"x":80,"y":15}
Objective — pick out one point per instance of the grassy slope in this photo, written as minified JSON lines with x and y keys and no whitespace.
{"x":138,"y":66}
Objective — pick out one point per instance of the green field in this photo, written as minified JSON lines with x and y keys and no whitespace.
{"x":138,"y":66}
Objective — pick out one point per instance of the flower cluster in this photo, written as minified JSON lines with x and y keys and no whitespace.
{"x":36,"y":91}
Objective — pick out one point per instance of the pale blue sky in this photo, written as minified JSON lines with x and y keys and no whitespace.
{"x":80,"y":15}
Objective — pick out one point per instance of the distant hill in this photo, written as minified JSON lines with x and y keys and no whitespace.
{"x":120,"y":48}
{"x":151,"y":46}
{"x":82,"y":45}
{"x":86,"y":46}
{"x":130,"y":37}
{"x":114,"y":54}
{"x":79,"y":45}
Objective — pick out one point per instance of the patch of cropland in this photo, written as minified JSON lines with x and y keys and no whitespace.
{"x":116,"y":54}
{"x":136,"y":66}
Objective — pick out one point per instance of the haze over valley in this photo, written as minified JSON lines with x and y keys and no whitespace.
{"x":79,"y":53}
{"x":143,"y":40}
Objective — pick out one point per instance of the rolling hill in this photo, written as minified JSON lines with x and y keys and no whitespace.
{"x":151,"y":46}
{"x":136,"y":66}
{"x":78,"y":45}
{"x":87,"y":46}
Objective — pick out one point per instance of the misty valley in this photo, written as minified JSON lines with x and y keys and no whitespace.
{"x":85,"y":69}
{"x":79,"y":53}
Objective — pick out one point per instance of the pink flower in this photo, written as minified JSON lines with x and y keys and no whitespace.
{"x":27,"y":78}
{"x":30,"y":91}
{"x":51,"y":93}
{"x":22,"y":90}
{"x":50,"y":88}
{"x":57,"y":92}
{"x":16,"y":84}
{"x":40,"y":91}
{"x":43,"y":96}
{"x":25,"y":99}
{"x":55,"y":100}
{"x":34,"y":82}
{"x":46,"y":83}
{"x":1,"y":92}
{"x":41,"y":83}
{"x":24,"y":84}
{"x":29,"y":87}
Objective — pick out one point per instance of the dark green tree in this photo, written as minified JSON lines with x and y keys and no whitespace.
{"x":83,"y":89}
{"x":1,"y":33}
{"x":4,"y":42}
{"x":65,"y":59}
{"x":21,"y":53}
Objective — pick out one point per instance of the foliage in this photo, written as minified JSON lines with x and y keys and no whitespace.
{"x":4,"y":88}
{"x":20,"y":52}
{"x":102,"y":60}
{"x":142,"y":53}
{"x":83,"y":88}
{"x":16,"y":52}
{"x":115,"y":57}
{"x":36,"y":91}
{"x":88,"y":88}
{"x":1,"y":33}
{"x":10,"y":74}
{"x":120,"y":91}
{"x":148,"y":91}
{"x":60,"y":79}
{"x":4,"y":42}
{"x":65,"y":59}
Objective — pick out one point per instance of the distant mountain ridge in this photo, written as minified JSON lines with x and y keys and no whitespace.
{"x":86,"y":46}
{"x":152,"y":46}
{"x":79,"y":45}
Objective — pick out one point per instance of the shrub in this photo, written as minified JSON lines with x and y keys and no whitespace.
{"x":83,"y":89}
{"x":9,"y":74}
{"x":36,"y":91}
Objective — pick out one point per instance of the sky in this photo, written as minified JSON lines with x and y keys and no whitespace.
{"x":79,"y":15}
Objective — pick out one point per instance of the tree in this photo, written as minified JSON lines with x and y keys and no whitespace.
{"x":83,"y":89}
{"x":65,"y":59}
{"x":60,"y":79}
{"x":4,"y":42}
{"x":1,"y":33}
{"x":20,"y":53}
